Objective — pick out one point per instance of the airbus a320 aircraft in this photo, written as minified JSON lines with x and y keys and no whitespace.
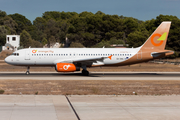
{"x":73,"y":59}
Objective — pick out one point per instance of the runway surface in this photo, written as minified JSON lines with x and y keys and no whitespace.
{"x":89,"y":107}
{"x":92,"y":76}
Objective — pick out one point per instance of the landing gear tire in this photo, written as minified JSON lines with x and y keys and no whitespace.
{"x":27,"y":73}
{"x":85,"y":72}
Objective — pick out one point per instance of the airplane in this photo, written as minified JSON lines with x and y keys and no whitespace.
{"x":74,"y":59}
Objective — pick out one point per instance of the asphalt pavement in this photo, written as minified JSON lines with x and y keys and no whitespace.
{"x":92,"y":76}
{"x":89,"y":107}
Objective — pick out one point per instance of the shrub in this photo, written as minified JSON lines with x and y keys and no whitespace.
{"x":1,"y":91}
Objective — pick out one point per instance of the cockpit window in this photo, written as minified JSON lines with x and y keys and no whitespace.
{"x":15,"y":54}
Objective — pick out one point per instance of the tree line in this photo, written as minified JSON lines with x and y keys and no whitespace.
{"x":85,"y":29}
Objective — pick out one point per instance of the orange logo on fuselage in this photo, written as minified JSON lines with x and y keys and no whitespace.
{"x":34,"y":51}
{"x":110,"y":57}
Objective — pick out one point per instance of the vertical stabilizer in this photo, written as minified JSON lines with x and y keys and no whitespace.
{"x":159,"y":38}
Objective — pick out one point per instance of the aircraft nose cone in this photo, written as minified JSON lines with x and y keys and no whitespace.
{"x":7,"y":60}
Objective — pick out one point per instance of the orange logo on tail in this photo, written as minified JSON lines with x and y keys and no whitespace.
{"x":161,"y":39}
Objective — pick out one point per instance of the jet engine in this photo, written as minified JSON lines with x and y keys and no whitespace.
{"x":66,"y":67}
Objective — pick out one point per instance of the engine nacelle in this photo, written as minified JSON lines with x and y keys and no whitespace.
{"x":66,"y":67}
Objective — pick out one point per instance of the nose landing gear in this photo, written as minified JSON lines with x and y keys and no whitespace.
{"x":27,"y":72}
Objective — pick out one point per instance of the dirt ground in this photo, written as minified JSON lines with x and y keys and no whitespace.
{"x":93,"y":87}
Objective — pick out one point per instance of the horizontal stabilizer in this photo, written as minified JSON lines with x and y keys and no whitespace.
{"x":156,"y":54}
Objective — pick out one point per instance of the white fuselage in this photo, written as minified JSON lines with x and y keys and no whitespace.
{"x":52,"y":56}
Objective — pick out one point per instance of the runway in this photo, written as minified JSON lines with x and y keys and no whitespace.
{"x":89,"y":107}
{"x":92,"y":76}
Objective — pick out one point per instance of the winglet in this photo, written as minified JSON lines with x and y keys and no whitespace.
{"x":110,"y":57}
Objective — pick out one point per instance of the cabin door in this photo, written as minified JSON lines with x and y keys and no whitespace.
{"x":27,"y":54}
{"x":139,"y":55}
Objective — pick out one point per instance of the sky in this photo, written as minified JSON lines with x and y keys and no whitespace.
{"x":140,"y":9}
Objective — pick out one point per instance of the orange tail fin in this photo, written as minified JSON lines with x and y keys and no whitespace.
{"x":158,"y":39}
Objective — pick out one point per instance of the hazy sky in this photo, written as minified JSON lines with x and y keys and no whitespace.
{"x":140,"y":9}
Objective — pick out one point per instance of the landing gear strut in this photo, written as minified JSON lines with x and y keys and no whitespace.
{"x":27,"y":72}
{"x":84,"y":71}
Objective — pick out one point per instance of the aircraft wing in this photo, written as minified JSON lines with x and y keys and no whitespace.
{"x":82,"y":60}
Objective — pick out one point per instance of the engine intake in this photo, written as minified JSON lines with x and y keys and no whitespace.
{"x":66,"y":67}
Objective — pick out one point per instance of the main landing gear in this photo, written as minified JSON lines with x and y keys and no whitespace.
{"x":27,"y":72}
{"x":84,"y":71}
